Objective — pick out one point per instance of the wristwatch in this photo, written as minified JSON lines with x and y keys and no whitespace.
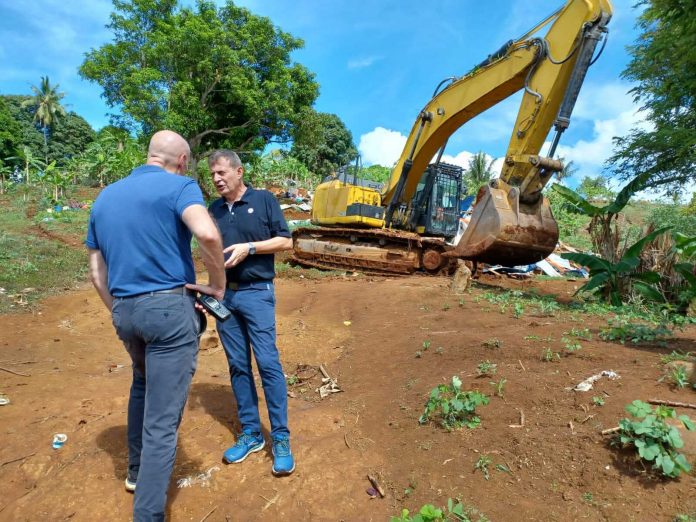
{"x":252,"y":249}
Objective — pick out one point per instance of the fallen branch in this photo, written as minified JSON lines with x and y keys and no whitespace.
{"x":610,"y":430}
{"x":208,"y":514}
{"x":673,"y":403}
{"x":17,"y":459}
{"x":270,"y":502}
{"x":14,"y":372}
{"x":521,"y":424}
{"x":376,"y":485}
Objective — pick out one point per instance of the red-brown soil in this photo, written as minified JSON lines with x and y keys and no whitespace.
{"x":561,"y":466}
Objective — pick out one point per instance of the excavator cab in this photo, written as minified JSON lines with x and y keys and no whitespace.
{"x":434,"y":209}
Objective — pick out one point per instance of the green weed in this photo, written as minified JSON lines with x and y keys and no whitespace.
{"x":455,"y":510}
{"x":598,"y":400}
{"x":655,"y":440}
{"x":486,"y":368}
{"x":499,"y":387}
{"x":453,"y":407}
{"x":482,"y":465}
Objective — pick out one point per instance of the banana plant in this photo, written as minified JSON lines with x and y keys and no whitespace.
{"x":605,"y":240}
{"x":610,"y":279}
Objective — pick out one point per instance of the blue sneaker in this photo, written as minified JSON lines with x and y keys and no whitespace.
{"x":246,"y":443}
{"x":283,"y":462}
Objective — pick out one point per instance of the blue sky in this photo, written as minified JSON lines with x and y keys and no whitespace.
{"x":377,"y":64}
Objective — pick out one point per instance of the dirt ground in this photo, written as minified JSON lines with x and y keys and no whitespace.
{"x":366,"y":333}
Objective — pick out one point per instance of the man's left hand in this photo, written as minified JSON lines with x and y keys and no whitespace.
{"x":238,"y":253}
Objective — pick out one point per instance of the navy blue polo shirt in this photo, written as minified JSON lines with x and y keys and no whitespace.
{"x":136,"y":224}
{"x":255,"y":217}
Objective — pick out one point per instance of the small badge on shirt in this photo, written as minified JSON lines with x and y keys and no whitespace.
{"x":250,"y":211}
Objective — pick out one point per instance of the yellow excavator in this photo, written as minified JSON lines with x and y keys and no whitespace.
{"x":408,"y":224}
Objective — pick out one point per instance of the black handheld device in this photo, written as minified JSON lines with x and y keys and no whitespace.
{"x":214,"y":307}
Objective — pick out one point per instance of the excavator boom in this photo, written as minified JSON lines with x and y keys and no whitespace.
{"x":512,"y":223}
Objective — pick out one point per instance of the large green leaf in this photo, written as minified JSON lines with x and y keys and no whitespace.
{"x":647,"y":277}
{"x":686,"y":270}
{"x":636,"y":248}
{"x":624,"y":196}
{"x":596,"y":281}
{"x":581,"y":204}
{"x":639,"y":408}
{"x":626,"y":265}
{"x":649,"y":291}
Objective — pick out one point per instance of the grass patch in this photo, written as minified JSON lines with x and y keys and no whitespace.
{"x":32,"y":262}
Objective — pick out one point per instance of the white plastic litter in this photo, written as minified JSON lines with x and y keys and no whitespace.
{"x":586,"y":385}
{"x":202,"y":479}
{"x":59,"y":439}
{"x":546,"y":267}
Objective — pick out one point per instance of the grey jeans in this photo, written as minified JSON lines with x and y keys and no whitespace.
{"x":160,"y":332}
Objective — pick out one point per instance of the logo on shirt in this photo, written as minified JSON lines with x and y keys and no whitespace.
{"x":250,"y":211}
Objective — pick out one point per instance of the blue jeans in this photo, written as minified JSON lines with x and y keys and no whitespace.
{"x":252,"y":325}
{"x":159,"y":332}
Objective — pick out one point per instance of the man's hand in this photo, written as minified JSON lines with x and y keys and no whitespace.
{"x":217,"y":293}
{"x":238,"y":253}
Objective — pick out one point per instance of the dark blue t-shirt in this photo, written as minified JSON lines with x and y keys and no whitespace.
{"x":136,"y":224}
{"x":255,"y":217}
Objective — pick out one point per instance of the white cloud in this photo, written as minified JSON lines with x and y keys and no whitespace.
{"x":381,"y":146}
{"x":361,"y":63}
{"x":606,"y":99}
{"x":589,"y":155}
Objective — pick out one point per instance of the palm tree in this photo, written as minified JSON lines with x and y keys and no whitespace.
{"x":479,"y":173}
{"x":569,"y":169}
{"x":46,"y":100}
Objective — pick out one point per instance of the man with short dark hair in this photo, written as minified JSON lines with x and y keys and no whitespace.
{"x":139,"y":241}
{"x":253,"y":229}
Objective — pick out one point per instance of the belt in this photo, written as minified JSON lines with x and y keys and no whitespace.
{"x":181,"y":290}
{"x":251,"y":284}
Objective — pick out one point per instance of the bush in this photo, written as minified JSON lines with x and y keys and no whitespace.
{"x":654,"y":439}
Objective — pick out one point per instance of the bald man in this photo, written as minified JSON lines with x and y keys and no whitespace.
{"x":139,"y":241}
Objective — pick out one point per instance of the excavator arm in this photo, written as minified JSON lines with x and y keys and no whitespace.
{"x":511,"y":222}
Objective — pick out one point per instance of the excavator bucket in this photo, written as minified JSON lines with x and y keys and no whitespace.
{"x":505,"y":231}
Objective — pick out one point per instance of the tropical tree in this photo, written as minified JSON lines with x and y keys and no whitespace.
{"x":612,"y":279}
{"x":479,"y":172}
{"x":276,"y":168}
{"x":322,"y":142}
{"x":603,"y":227}
{"x":28,"y":161}
{"x":376,"y":173}
{"x":47,"y":107}
{"x":595,"y":188}
{"x":70,"y":136}
{"x":9,"y":133}
{"x":108,"y":158}
{"x":568,"y":171}
{"x":663,"y":70}
{"x":220,"y":76}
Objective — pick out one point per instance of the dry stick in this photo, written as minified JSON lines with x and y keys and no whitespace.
{"x":610,"y":430}
{"x":345,"y":438}
{"x":376,"y":485}
{"x":209,"y":513}
{"x":673,"y":403}
{"x":15,"y":460}
{"x":522,"y":365}
{"x":324,"y":372}
{"x":16,"y":373}
{"x":521,"y":424}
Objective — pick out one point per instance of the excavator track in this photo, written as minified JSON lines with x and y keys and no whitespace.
{"x":371,"y":251}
